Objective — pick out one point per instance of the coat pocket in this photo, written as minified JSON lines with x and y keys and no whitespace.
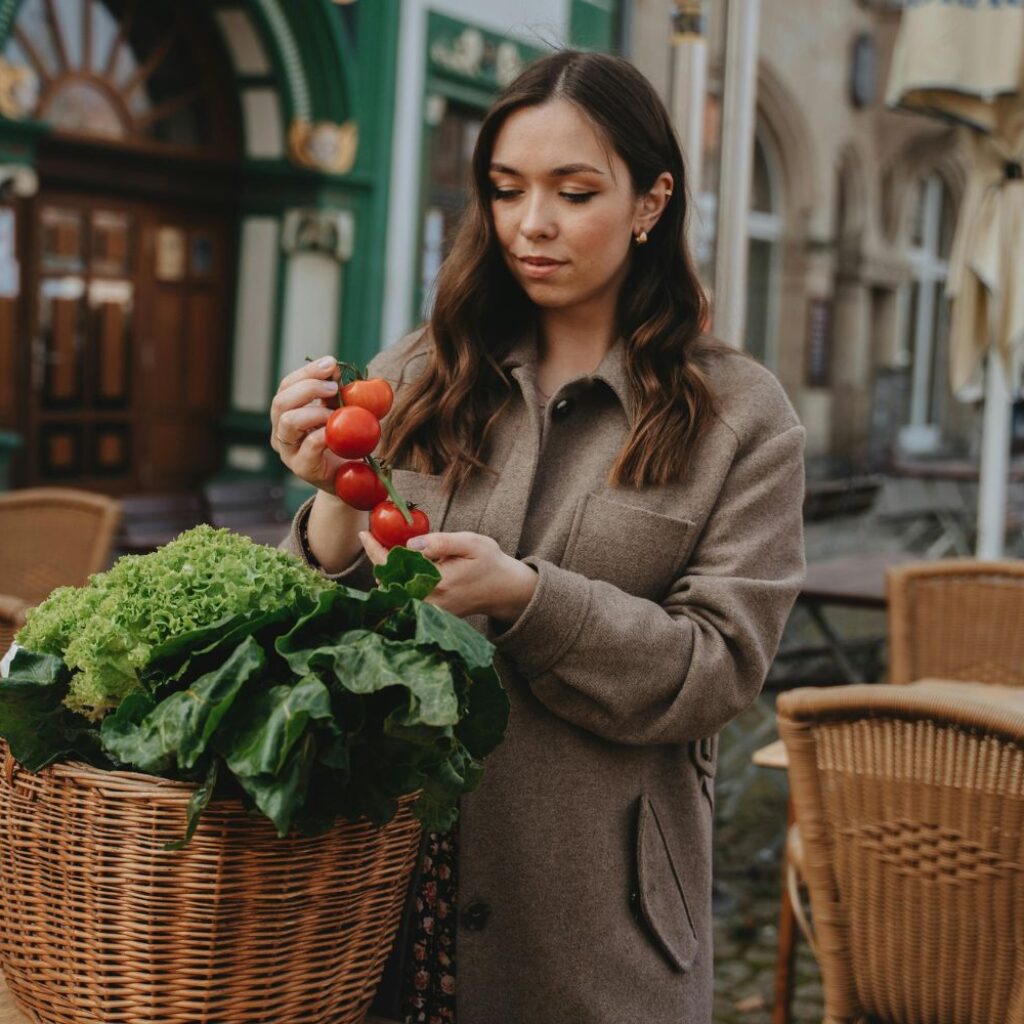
{"x":662,"y":897}
{"x":635,"y":549}
{"x":425,"y":491}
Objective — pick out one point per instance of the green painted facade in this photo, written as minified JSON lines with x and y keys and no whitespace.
{"x":596,"y":24}
{"x":320,"y":74}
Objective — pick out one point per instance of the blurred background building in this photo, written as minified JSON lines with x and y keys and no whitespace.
{"x":197,"y":195}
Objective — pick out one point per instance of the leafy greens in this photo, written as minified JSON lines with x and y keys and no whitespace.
{"x":232,"y":665}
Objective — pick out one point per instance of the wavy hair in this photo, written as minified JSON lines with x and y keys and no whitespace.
{"x":443,"y":420}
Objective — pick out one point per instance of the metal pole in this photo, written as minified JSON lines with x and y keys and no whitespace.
{"x":995,"y":460}
{"x":689,"y":91}
{"x":738,"y":118}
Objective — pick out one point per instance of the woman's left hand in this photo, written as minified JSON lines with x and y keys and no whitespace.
{"x":477,"y":577}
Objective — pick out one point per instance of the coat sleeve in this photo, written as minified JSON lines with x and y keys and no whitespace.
{"x":638,"y":672}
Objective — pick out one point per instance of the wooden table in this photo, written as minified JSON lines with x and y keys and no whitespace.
{"x":774,"y":756}
{"x":856,"y":581}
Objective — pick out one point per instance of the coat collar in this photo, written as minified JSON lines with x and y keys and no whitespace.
{"x":521,"y":360}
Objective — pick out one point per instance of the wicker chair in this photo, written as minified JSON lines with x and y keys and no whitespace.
{"x":51,"y":537}
{"x":950,"y":619}
{"x":911,"y":810}
{"x":957,"y":619}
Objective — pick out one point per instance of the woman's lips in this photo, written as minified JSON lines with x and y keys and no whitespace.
{"x":539,"y":266}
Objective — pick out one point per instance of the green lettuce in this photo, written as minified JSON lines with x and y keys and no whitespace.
{"x":253,"y":677}
{"x":106,"y":632}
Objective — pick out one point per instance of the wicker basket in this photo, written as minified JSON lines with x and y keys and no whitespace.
{"x":102,"y":926}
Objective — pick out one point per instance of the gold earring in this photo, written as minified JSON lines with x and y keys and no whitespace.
{"x":668,"y":193}
{"x":641,"y":239}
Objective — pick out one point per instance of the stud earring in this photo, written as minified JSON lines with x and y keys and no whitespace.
{"x":641,"y":239}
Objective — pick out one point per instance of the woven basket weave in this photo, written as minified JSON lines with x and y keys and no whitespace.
{"x":100,"y":925}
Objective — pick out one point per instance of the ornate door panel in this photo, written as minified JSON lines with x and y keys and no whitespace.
{"x":83,"y":405}
{"x":130,"y":311}
{"x":183,"y":346}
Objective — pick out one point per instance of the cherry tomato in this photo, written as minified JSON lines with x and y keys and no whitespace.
{"x":352,"y":432}
{"x":374,"y":394}
{"x":357,"y":485}
{"x":389,"y":527}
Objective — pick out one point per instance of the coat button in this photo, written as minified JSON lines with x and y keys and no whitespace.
{"x":562,"y":408}
{"x":475,"y":916}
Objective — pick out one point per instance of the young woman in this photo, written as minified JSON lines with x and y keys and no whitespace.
{"x":615,"y":502}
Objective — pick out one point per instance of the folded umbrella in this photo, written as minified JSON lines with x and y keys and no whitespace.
{"x":963,"y":61}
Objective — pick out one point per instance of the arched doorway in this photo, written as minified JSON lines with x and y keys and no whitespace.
{"x":125,"y":248}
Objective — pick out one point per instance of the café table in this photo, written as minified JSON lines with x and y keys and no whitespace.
{"x":853,"y":581}
{"x":774,"y":756}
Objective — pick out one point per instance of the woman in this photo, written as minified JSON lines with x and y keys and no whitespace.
{"x":615,"y":502}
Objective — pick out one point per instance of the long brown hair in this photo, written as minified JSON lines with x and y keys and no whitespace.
{"x":442,"y":422}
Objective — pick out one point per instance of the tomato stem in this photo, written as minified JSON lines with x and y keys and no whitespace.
{"x":355,"y":370}
{"x":385,"y":479}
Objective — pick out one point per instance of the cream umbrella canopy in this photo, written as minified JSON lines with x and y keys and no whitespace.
{"x":963,"y":60}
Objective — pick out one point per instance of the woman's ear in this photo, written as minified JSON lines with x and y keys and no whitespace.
{"x":651,"y":205}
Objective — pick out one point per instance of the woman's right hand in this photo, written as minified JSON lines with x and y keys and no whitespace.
{"x":298,"y":415}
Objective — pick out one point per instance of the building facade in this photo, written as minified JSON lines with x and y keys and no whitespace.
{"x":196,"y":195}
{"x":853,"y":208}
{"x":193,"y":193}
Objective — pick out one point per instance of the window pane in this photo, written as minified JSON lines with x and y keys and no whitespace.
{"x":81,"y":107}
{"x":761,"y":197}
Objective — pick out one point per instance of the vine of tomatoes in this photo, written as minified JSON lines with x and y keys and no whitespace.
{"x":353,"y":433}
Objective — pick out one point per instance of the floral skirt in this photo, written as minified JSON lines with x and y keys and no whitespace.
{"x":428,"y":988}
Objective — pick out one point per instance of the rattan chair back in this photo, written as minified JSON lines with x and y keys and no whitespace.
{"x":957,"y":619}
{"x":911,"y":811}
{"x":52,"y":537}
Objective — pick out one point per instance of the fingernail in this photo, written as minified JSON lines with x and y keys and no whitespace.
{"x":326,"y":363}
{"x":418,"y":543}
{"x":331,"y":386}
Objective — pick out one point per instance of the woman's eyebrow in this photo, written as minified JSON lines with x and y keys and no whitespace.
{"x":558,"y":172}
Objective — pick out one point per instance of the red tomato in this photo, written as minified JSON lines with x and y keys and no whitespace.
{"x":352,"y":432}
{"x":388,"y":524}
{"x":374,"y":395}
{"x":357,"y":485}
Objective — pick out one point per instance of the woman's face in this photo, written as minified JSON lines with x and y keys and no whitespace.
{"x":564,"y":208}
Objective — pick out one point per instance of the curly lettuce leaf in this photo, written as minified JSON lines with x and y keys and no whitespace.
{"x":108,"y":631}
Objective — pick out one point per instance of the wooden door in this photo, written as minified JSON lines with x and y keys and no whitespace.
{"x":129,"y":337}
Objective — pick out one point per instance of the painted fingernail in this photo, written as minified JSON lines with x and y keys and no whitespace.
{"x":326,"y":363}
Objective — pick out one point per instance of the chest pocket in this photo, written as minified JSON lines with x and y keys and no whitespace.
{"x":635,"y":549}
{"x":425,"y":491}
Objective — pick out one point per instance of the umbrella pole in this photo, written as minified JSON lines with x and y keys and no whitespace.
{"x":995,"y":460}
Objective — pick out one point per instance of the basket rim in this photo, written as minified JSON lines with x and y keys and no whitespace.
{"x":143,"y":783}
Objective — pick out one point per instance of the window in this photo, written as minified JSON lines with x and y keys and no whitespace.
{"x":926,"y":319}
{"x":114,"y":70}
{"x":764,"y":230}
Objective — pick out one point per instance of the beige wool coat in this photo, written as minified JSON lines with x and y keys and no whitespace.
{"x":585,"y":856}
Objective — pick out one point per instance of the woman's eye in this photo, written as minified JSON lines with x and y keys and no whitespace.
{"x":503,"y":193}
{"x":577,"y":197}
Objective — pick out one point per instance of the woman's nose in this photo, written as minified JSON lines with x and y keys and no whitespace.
{"x":538,"y":220}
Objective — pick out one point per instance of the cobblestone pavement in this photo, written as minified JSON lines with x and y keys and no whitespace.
{"x":751,"y":812}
